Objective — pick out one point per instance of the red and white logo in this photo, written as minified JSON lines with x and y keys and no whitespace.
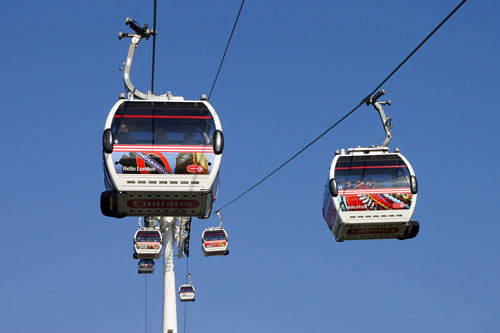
{"x":398,"y":205}
{"x":195,"y":168}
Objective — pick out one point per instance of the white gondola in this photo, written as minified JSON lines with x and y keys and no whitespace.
{"x":214,"y":242}
{"x":186,"y":291}
{"x":147,"y":244}
{"x":161,"y":153}
{"x":146,"y":266}
{"x":371,"y":193}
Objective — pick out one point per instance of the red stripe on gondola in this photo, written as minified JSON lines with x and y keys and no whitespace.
{"x":372,"y":167}
{"x":151,"y":116}
{"x":163,"y":149}
{"x":376,"y":191}
{"x":162,"y":146}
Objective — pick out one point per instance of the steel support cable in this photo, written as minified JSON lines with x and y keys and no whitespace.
{"x":185,"y":303}
{"x":419,"y":45}
{"x":350,"y":112}
{"x":154,"y":49}
{"x":185,"y":314}
{"x":227,"y":47}
{"x":145,"y":304}
{"x":291,"y":158}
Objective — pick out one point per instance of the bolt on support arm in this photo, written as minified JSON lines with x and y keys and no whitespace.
{"x":386,"y":122}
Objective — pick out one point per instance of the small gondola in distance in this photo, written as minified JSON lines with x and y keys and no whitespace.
{"x":186,"y":293}
{"x":214,"y":242}
{"x":147,"y":244}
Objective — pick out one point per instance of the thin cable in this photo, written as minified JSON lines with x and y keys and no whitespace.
{"x":154,"y":50}
{"x":348,"y":114}
{"x":291,"y":158}
{"x":145,"y":304}
{"x":185,"y":303}
{"x":227,"y":47}
{"x":185,"y":315}
{"x":419,"y":45}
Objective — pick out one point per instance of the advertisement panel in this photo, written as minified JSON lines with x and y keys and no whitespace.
{"x":375,"y":199}
{"x":136,"y":159}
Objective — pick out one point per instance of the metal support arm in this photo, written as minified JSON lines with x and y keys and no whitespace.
{"x":141,"y":32}
{"x":128,"y":65}
{"x":386,"y":122}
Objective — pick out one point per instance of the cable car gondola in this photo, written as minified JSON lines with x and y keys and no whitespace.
{"x":371,"y":193}
{"x":161,"y":158}
{"x":147,"y":244}
{"x":186,"y":291}
{"x":214,"y":242}
{"x":146,"y":266}
{"x":161,"y":153}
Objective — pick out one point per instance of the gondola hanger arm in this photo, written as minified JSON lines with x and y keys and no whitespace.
{"x":386,"y":122}
{"x":219,"y":214}
{"x":140,"y":32}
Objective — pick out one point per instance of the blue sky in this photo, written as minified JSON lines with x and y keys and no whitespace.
{"x":293,"y":69}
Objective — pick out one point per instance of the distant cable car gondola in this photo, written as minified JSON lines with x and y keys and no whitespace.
{"x":161,"y":153}
{"x":146,"y":266}
{"x":186,"y":291}
{"x":214,"y":241}
{"x":371,"y":193}
{"x":147,"y":244}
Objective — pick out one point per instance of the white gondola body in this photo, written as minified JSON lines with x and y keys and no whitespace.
{"x":167,"y":165}
{"x":186,"y":293}
{"x":214,"y":242}
{"x":374,"y":199}
{"x":147,"y":244}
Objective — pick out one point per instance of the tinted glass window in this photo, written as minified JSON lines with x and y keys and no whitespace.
{"x":148,"y":237}
{"x":214,"y":235}
{"x":162,"y":123}
{"x":364,"y":172}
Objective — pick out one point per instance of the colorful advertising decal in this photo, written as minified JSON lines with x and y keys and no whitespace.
{"x":215,"y":244}
{"x":135,"y":159}
{"x":375,"y":199}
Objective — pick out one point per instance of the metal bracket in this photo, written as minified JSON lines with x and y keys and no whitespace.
{"x":386,"y":122}
{"x":219,"y":214}
{"x":141,"y":32}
